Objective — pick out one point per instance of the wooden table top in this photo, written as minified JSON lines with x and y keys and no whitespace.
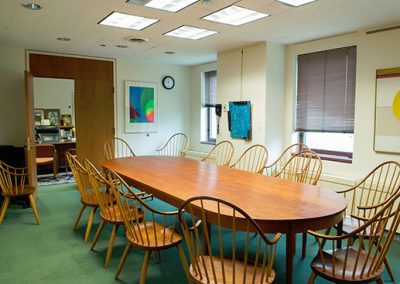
{"x":273,"y":203}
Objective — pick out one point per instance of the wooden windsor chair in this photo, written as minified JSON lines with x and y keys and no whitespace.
{"x":72,"y":151}
{"x":109,"y":211}
{"x":304,"y":167}
{"x":176,"y":146}
{"x":221,"y":154}
{"x":46,"y":154}
{"x":88,"y":196}
{"x":232,"y":256}
{"x":117,"y":148}
{"x":252,"y":160}
{"x":364,"y":263}
{"x":13,"y":184}
{"x":368,"y":195}
{"x":156,"y":232}
{"x":277,"y":165}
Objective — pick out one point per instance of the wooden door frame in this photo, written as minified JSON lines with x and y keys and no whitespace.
{"x":72,"y":57}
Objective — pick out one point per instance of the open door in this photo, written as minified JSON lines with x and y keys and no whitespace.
{"x":30,"y":149}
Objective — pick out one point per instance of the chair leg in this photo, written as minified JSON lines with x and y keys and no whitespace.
{"x":98,"y":232}
{"x":4,"y":207}
{"x":312,"y":278}
{"x":184,"y":263}
{"x":123,"y":259}
{"x":379,"y":280}
{"x":89,"y":224}
{"x":111,"y":244}
{"x":33,"y":205}
{"x":78,"y":217}
{"x":143,"y":272}
{"x":304,"y":246}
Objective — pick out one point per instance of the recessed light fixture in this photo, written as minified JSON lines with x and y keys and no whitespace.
{"x":120,"y":20}
{"x":235,"y":16}
{"x":63,"y":39}
{"x":32,"y":6}
{"x":296,"y":3}
{"x":166,"y":5}
{"x":190,"y":32}
{"x":121,"y":46}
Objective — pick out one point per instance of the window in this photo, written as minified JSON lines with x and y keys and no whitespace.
{"x":326,"y":101}
{"x":209,"y":99}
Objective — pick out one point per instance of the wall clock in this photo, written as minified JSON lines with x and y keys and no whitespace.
{"x":168,"y":82}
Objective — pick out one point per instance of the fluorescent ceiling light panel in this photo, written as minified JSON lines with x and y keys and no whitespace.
{"x":296,"y":3}
{"x":121,"y":20}
{"x":190,"y":32}
{"x":169,"y":5}
{"x":235,"y":15}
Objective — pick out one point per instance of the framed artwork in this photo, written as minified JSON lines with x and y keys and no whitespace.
{"x":239,"y":120}
{"x":53,"y":115}
{"x":141,"y":106}
{"x":39,"y":115}
{"x":387,"y":111}
{"x":66,"y":119}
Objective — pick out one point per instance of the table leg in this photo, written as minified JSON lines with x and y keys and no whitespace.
{"x":339,"y":233}
{"x":290,"y":248}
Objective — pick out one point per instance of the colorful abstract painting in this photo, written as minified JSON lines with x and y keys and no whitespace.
{"x":140,"y":106}
{"x":387,"y":111}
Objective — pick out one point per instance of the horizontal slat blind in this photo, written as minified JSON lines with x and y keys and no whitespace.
{"x":210,"y":90}
{"x":326,"y":91}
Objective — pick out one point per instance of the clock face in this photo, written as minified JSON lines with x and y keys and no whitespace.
{"x":168,"y":82}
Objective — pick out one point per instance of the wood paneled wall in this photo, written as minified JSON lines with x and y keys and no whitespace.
{"x":94,"y":98}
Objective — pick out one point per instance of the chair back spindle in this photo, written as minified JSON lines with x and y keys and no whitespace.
{"x":221,"y":154}
{"x":252,"y":160}
{"x":175,"y":146}
{"x":117,"y":148}
{"x":233,"y":255}
{"x":277,"y":165}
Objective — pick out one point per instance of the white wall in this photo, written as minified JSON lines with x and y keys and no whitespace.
{"x":173,"y":105}
{"x":195,"y":116}
{"x":242,"y":79}
{"x":374,"y":51}
{"x":12,"y":101}
{"x":50,"y":93}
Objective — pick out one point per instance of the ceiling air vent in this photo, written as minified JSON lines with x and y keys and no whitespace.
{"x":137,"y":40}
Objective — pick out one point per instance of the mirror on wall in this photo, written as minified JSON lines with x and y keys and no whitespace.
{"x":54,"y":110}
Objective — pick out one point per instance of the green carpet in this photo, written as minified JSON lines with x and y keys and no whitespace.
{"x":53,"y":253}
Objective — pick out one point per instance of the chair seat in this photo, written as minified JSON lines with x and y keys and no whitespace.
{"x":44,"y":161}
{"x":113,"y":214}
{"x":340,"y":255}
{"x":351,"y":223}
{"x":228,"y":269}
{"x":19,"y":191}
{"x":153,"y":236}
{"x":90,"y":199}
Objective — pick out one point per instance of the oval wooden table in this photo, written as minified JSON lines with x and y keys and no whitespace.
{"x":276,"y":205}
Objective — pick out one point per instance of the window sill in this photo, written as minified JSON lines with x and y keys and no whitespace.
{"x":335,"y":156}
{"x":207,"y":142}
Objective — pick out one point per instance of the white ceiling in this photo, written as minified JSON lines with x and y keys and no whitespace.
{"x":77,"y":19}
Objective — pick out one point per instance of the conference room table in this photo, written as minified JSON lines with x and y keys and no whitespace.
{"x":276,"y":205}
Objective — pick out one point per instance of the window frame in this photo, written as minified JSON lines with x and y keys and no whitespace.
{"x":208,"y":116}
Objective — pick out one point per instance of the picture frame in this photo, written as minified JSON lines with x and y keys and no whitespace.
{"x":38,"y":116}
{"x":387,"y":111}
{"x":141,"y":107}
{"x":53,"y":115}
{"x":66,"y":120}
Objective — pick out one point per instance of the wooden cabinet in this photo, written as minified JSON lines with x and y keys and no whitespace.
{"x":61,"y":148}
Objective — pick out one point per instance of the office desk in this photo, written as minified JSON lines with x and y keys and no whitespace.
{"x":276,"y":205}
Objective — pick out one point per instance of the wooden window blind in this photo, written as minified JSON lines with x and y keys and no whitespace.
{"x":326,"y":91}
